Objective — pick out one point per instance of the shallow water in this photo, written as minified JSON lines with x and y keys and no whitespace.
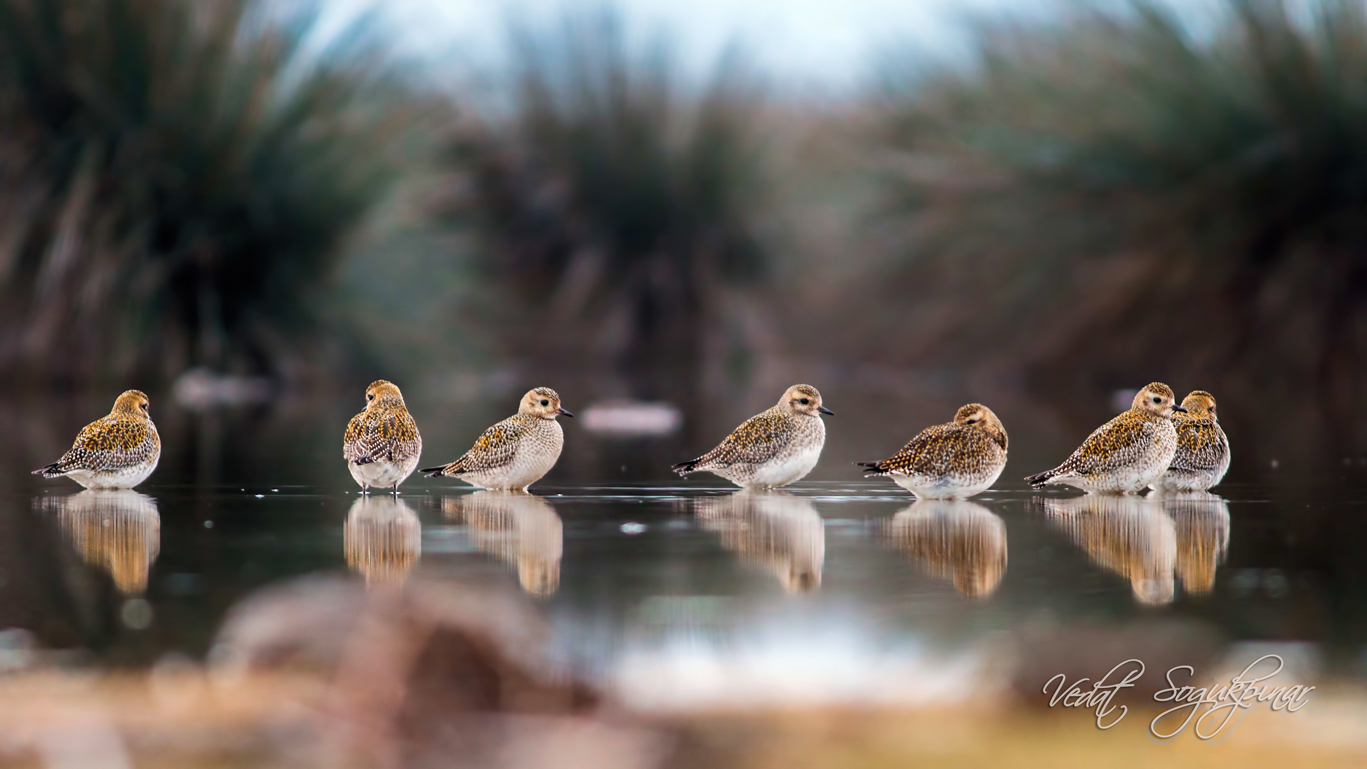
{"x":686,"y":593}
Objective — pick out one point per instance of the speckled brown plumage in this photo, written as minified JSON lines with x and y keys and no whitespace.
{"x":1127,"y":453}
{"x":1202,"y":456}
{"x":382,"y":444}
{"x":117,"y":451}
{"x":516,"y":452}
{"x":949,"y":461}
{"x":773,"y":448}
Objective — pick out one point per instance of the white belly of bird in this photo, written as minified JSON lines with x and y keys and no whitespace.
{"x":383,"y":474}
{"x":947,"y":488}
{"x":1191,"y":480}
{"x":781,"y":472}
{"x":529,"y":465}
{"x":1123,"y":480}
{"x":125,"y":478}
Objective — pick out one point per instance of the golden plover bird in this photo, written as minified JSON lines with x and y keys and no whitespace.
{"x":118,"y":451}
{"x":1126,"y":454}
{"x":382,"y":444}
{"x":516,"y":452}
{"x":1202,"y":457}
{"x":963,"y":542}
{"x":950,"y":461}
{"x":772,"y":448}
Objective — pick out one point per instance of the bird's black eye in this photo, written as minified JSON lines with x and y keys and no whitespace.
{"x":545,"y":402}
{"x":805,"y":401}
{"x":1157,"y":399}
{"x":973,"y":421}
{"x":370,"y":396}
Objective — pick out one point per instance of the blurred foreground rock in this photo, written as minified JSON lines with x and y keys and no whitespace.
{"x":329,"y":672}
{"x":427,"y":670}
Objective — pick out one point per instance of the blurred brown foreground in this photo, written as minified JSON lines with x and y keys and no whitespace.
{"x":327,"y":672}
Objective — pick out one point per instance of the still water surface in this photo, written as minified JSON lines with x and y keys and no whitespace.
{"x":683,"y":593}
{"x":843,"y":590}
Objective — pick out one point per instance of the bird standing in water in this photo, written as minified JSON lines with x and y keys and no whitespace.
{"x":773,"y":448}
{"x":118,"y":451}
{"x":516,"y":452}
{"x":1126,"y":454}
{"x":950,"y":461}
{"x":1202,"y":457}
{"x":382,"y":444}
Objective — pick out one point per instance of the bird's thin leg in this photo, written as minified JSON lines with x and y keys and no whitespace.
{"x":396,"y":489}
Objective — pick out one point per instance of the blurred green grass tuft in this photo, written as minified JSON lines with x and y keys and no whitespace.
{"x":177,"y":179}
{"x":614,"y":203}
{"x":1113,"y":196}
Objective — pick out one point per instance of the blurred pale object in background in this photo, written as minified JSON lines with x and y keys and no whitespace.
{"x":201,"y":388}
{"x":632,"y":418}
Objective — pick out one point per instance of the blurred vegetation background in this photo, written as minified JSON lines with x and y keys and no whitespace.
{"x":177,"y":181}
{"x":1092,"y":199}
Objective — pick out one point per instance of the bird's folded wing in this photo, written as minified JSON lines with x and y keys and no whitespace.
{"x":758,"y":439}
{"x":1198,"y":446}
{"x":931,"y":451}
{"x":109,"y":444}
{"x":495,"y":448}
{"x":390,"y":437}
{"x":1107,"y":446}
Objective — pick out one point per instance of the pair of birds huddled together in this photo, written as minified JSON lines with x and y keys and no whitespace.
{"x":1156,"y":443}
{"x":382,"y":443}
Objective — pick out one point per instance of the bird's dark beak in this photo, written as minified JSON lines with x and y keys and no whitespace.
{"x":1179,"y":409}
{"x":825,"y":410}
{"x":559,"y":410}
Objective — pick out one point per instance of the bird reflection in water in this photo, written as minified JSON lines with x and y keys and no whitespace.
{"x":520,"y":528}
{"x":955,"y":540}
{"x":382,"y":538}
{"x":1202,"y":521}
{"x":1129,"y":535}
{"x":118,"y":531}
{"x":773,"y":528}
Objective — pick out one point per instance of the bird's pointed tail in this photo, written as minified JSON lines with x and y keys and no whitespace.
{"x":684,"y":468}
{"x":872,"y":469}
{"x":53,"y":470}
{"x":1039,"y":480}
